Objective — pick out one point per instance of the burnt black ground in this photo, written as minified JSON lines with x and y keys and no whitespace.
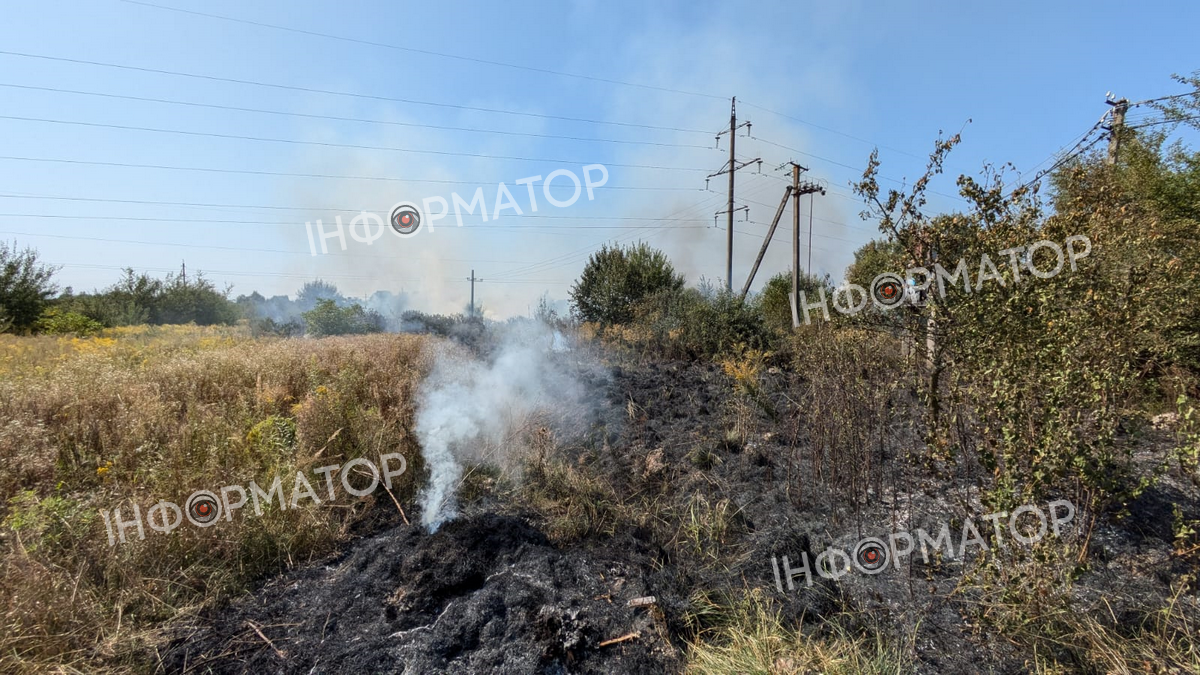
{"x":489,"y":593}
{"x":485,"y":593}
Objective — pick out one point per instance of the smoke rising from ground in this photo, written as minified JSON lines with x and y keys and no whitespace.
{"x":474,"y":409}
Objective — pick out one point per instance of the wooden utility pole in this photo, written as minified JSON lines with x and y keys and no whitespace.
{"x":1116,"y":129}
{"x":731,"y":168}
{"x":472,"y":279}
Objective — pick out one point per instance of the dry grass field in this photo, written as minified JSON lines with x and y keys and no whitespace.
{"x":147,"y":414}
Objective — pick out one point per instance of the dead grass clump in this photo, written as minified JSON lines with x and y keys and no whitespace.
{"x":749,"y":637}
{"x":1031,"y":599}
{"x":575,"y":504}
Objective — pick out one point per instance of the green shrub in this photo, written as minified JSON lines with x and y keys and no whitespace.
{"x":701,"y":323}
{"x":57,"y":322}
{"x":616,"y":279}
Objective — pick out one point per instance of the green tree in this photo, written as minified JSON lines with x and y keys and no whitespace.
{"x":26,"y":286}
{"x":328,"y":319}
{"x":617,"y":278}
{"x":775,"y":297}
{"x":313,"y":292}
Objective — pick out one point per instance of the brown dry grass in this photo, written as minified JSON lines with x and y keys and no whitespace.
{"x":145,"y":415}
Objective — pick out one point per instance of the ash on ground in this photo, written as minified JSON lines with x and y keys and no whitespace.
{"x":485,"y":593}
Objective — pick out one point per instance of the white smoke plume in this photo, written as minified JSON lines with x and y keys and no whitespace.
{"x":474,"y":410}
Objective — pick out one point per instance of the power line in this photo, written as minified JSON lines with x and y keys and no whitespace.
{"x":847,"y":166}
{"x":329,"y":92}
{"x":332,"y":145}
{"x":832,"y":131}
{"x":339,"y":118}
{"x":426,"y":52}
{"x":1074,"y":152}
{"x":232,"y":273}
{"x":285,"y":208}
{"x":246,"y":248}
{"x":575,"y":256}
{"x":165,"y":167}
{"x":1167,"y":121}
{"x":1165,"y":98}
{"x":277,"y":222}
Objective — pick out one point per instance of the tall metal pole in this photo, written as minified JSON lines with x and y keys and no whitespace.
{"x":472,"y":292}
{"x":732,"y":171}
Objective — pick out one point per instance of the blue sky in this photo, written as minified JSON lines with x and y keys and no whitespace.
{"x":846,"y":77}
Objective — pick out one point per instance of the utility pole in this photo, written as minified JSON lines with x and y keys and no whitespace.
{"x":731,"y":168}
{"x":807,"y":187}
{"x":1117,"y":128}
{"x":810,"y":219}
{"x":472,"y":279}
{"x":793,"y":192}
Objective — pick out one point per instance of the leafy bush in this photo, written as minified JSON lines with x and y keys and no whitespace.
{"x":615,"y":279}
{"x":270,"y":327}
{"x":699,"y":323}
{"x":775,"y":298}
{"x":57,"y":322}
{"x":329,"y":319}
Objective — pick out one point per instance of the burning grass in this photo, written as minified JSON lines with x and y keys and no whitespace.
{"x":149,"y":414}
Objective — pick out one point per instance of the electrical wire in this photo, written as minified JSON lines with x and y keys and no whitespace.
{"x":329,"y":92}
{"x":294,"y":174}
{"x":426,"y":52}
{"x":338,"y":118}
{"x":292,"y":141}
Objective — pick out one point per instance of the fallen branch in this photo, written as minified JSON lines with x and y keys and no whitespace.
{"x":623,"y":638}
{"x":278,"y":653}
{"x":389,"y":491}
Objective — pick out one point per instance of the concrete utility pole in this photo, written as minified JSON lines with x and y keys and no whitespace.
{"x":796,"y":169}
{"x":810,"y":188}
{"x":1116,"y":129}
{"x":787,"y":192}
{"x":472,"y":279}
{"x":792,"y":191}
{"x":731,"y":167}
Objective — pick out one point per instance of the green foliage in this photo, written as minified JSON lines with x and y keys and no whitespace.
{"x":51,"y":522}
{"x":25,"y":287}
{"x":700,"y":323}
{"x":313,"y":292}
{"x":141,"y":299}
{"x":329,"y":319}
{"x":270,"y":327}
{"x":874,"y":258}
{"x":1036,"y":375}
{"x":774,"y":299}
{"x":616,"y":278}
{"x":57,"y":322}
